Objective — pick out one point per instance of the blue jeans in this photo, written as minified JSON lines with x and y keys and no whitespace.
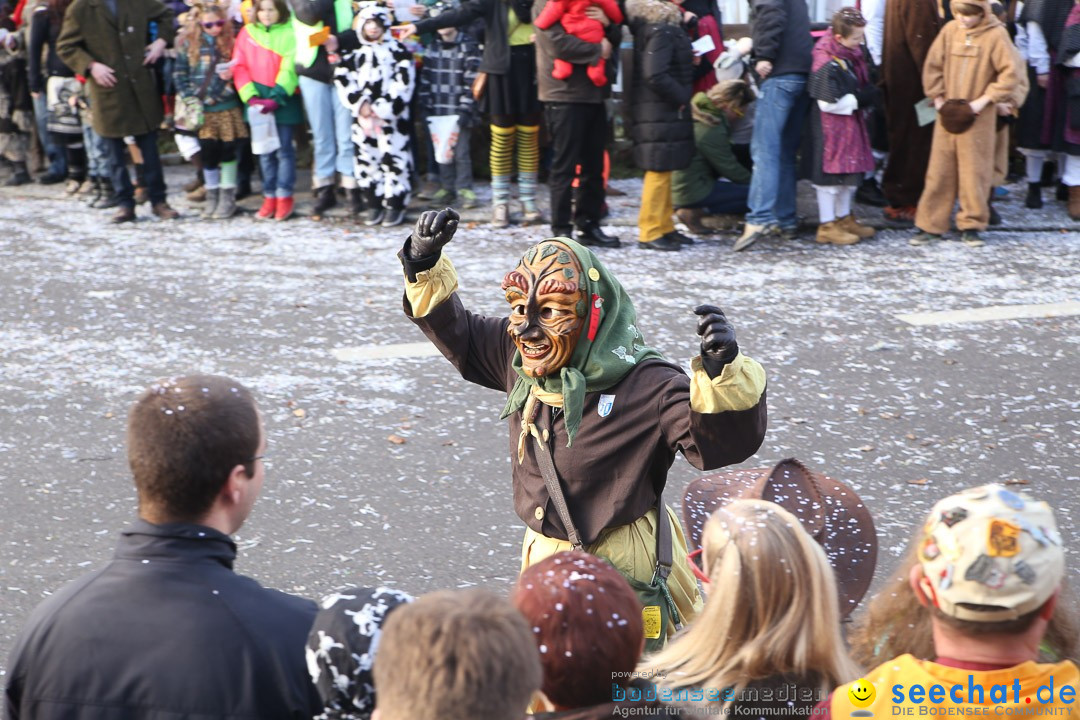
{"x":279,"y":167}
{"x":152,"y":171}
{"x":97,"y":153}
{"x":55,"y":153}
{"x":778,"y":123}
{"x":331,"y":130}
{"x":725,"y":198}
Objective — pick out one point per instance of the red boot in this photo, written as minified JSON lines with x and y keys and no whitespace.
{"x":561,"y":70}
{"x":284,"y":208}
{"x":268,"y":208}
{"x":597,"y":72}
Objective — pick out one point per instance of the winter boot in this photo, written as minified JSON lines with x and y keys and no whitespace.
{"x":691,"y":218}
{"x":833,"y":233}
{"x":268,"y":208}
{"x":1062,"y":192}
{"x":284,"y":209}
{"x":853,"y":226}
{"x":213,"y":196}
{"x":20,"y":176}
{"x":324,"y":200}
{"x":1074,"y":202}
{"x":226,"y":205}
{"x":1034,"y":200}
{"x":109,"y":198}
{"x":356,"y":201}
{"x":869,"y":193}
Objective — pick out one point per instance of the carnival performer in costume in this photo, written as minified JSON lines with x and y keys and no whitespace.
{"x":586,"y":392}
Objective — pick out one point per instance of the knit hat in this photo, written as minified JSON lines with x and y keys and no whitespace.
{"x":957,"y":116}
{"x":990,"y":546}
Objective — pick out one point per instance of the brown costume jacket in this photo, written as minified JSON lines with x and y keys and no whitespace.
{"x":618,"y":462}
{"x":910,"y":29}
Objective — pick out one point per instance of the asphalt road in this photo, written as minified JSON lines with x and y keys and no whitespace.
{"x":301,"y":312}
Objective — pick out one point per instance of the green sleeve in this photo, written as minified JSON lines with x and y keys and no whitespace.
{"x":715,"y":146}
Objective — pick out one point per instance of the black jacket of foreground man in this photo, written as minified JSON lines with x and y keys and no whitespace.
{"x":166,"y":630}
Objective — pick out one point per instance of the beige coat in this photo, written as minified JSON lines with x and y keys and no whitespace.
{"x":967,"y":64}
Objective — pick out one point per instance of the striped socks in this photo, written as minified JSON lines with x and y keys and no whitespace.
{"x":528,"y":150}
{"x":502,"y":163}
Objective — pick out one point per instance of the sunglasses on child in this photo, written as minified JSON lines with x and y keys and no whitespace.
{"x":213,"y":24}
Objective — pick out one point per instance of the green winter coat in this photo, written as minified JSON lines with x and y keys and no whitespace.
{"x":91,"y":33}
{"x":712,"y":160}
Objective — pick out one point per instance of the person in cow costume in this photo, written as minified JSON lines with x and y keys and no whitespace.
{"x":375,"y":80}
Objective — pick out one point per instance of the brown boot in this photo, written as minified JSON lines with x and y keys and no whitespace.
{"x":1074,"y":202}
{"x":849,"y":223}
{"x":123,"y":214}
{"x":163,"y":211}
{"x":833,"y":234}
{"x":691,"y":218}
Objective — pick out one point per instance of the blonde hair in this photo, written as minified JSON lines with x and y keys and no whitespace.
{"x":452,"y":655}
{"x":191,"y":33}
{"x":775,"y":610}
{"x":895,"y":623}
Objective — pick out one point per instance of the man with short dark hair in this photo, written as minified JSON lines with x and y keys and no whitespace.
{"x":167,"y":629}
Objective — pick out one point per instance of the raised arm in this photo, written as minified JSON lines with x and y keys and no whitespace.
{"x":478,"y":346}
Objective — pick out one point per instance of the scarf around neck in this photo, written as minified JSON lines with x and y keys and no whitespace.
{"x":610,"y":345}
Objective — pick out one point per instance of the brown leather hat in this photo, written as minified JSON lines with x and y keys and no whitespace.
{"x":829,"y":510}
{"x":957,"y":116}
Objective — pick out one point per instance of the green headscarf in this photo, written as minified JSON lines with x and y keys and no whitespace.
{"x":597,"y":364}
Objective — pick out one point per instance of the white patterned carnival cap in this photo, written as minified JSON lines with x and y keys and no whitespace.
{"x":989,"y":546}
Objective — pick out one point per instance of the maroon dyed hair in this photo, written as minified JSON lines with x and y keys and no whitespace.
{"x":587,"y":624}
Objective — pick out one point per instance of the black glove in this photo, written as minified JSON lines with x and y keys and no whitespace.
{"x":433,"y":230}
{"x":718,"y":346}
{"x":867,"y":96}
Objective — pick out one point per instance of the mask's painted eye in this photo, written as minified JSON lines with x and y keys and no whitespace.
{"x":518,"y":310}
{"x":550,"y":313}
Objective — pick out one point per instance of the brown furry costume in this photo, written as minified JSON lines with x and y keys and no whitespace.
{"x":910,"y":29}
{"x":966,"y":64}
{"x":1004,"y":132}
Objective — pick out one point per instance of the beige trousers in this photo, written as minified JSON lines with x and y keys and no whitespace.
{"x":961,"y":168}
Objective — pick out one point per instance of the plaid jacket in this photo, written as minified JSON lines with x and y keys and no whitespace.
{"x":447,"y":76}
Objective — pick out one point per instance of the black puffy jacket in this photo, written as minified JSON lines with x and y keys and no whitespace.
{"x":663,"y":83}
{"x":165,"y":630}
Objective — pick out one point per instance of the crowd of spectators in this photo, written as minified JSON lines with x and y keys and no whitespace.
{"x":394,"y":99}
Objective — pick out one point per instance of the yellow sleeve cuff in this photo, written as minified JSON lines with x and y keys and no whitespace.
{"x":739,"y":386}
{"x":432,"y":287}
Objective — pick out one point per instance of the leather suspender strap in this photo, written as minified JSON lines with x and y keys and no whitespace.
{"x":663,"y":538}
{"x":554,"y":488}
{"x":551,"y":480}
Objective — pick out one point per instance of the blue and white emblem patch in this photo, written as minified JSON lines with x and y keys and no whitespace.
{"x":605,"y":405}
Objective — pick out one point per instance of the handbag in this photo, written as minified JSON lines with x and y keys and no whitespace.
{"x":188,"y":114}
{"x":479,"y":85}
{"x":658,"y":608}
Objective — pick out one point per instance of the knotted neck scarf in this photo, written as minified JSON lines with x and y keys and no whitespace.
{"x":610,"y":346}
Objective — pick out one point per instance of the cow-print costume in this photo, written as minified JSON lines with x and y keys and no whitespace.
{"x":341,"y":649}
{"x":380,"y":74}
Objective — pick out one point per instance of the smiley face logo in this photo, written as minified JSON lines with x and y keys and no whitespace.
{"x":861,"y":693}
